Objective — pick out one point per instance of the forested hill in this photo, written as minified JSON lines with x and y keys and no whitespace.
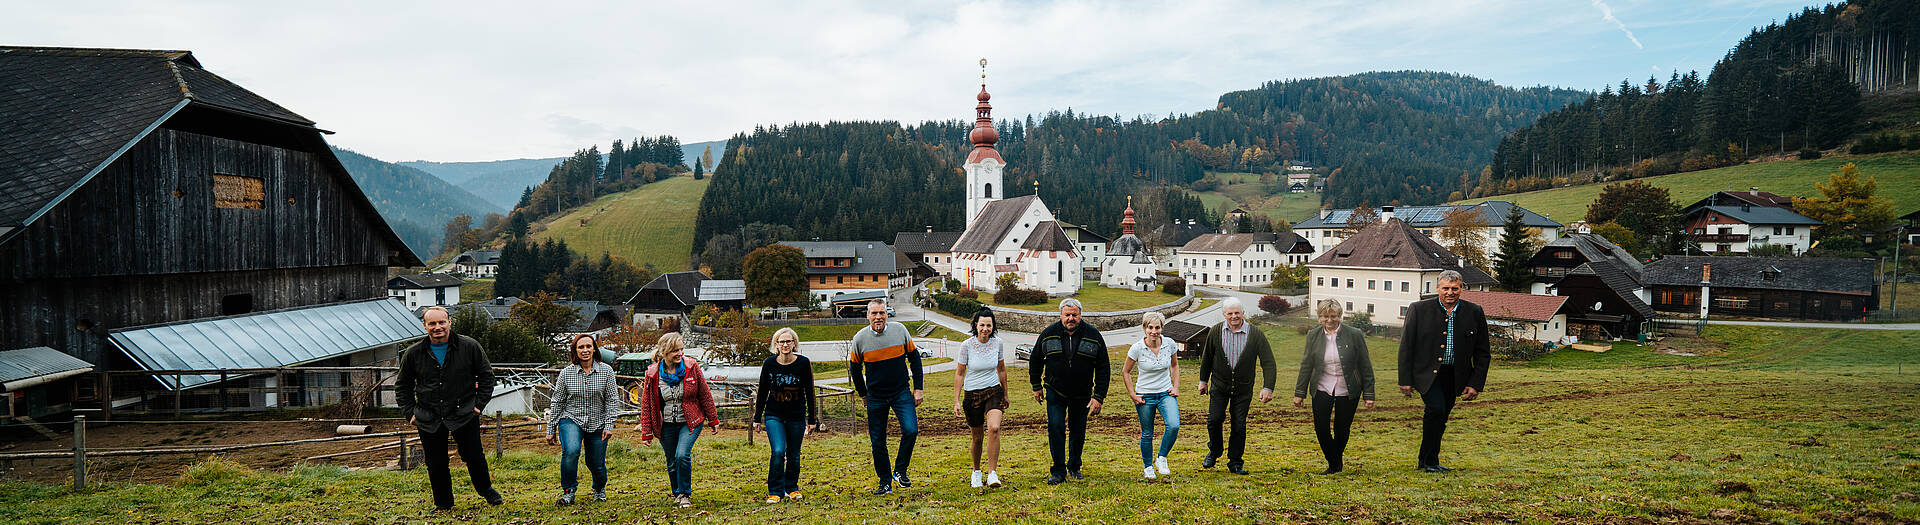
{"x":415,"y":203}
{"x":1791,"y":86}
{"x":1403,"y":136}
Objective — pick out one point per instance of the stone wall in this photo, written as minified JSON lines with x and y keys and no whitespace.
{"x":1032,"y":321}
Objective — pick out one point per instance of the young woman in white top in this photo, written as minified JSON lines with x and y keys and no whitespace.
{"x":980,"y":393}
{"x":1155,"y":390}
{"x":1339,"y":372}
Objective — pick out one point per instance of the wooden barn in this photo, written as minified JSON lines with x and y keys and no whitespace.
{"x":145,"y":199}
{"x":1816,"y":288}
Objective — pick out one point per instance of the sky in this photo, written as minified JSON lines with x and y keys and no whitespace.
{"x":475,"y":81}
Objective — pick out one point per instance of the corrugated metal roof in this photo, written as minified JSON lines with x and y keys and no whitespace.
{"x":268,"y":339}
{"x":35,"y":362}
{"x":723,"y":290}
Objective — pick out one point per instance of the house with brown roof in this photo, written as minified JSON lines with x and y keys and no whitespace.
{"x":1384,"y":268}
{"x":1540,"y":318}
{"x":930,"y":251}
{"x":1602,"y":282}
{"x":1237,"y":260}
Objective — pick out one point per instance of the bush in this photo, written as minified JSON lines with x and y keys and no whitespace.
{"x":1174,"y":286}
{"x":1274,"y":304}
{"x":1884,"y":142}
{"x":953,"y":284}
{"x":1512,"y":349}
{"x":955,"y":304}
{"x":1305,"y":328}
{"x":969,"y":293}
{"x":1361,"y":320}
{"x":1809,"y":154}
{"x":1019,"y":296}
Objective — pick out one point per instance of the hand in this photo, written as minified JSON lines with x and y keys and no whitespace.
{"x":753,"y":426}
{"x":1137,"y":400}
{"x":1298,"y":400}
{"x":410,"y":420}
{"x":917,"y":396}
{"x":477,"y":411}
{"x":1369,"y":404}
{"x":1469,"y":394}
{"x":956,"y":410}
{"x":1203,"y":388}
{"x":1037,"y":397}
{"x":553,"y":439}
{"x":1406,"y":390}
{"x":606,"y":434}
{"x":1266,"y":394}
{"x":646,"y":441}
{"x":1093,"y":407}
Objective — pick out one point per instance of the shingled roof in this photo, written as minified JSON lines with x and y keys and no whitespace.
{"x":423,"y":281}
{"x":1619,"y":279}
{"x":1047,"y":237}
{"x":1519,"y":306}
{"x":1395,"y":244}
{"x":925,"y":242}
{"x":868,"y":257}
{"x":1228,"y":243}
{"x":994,"y":222}
{"x":1736,"y":198}
{"x":1594,"y":247}
{"x":684,"y":286}
{"x":1808,"y":274}
{"x":1761,"y":215}
{"x":1494,"y":213}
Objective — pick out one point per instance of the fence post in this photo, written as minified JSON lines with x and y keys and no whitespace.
{"x":403,"y":454}
{"x":79,"y":453}
{"x":223,"y":391}
{"x":499,"y":434}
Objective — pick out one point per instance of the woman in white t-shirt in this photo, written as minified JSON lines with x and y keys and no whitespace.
{"x":1155,"y":390}
{"x":980,"y":393}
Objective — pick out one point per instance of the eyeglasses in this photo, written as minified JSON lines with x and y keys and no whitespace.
{"x":787,"y":341}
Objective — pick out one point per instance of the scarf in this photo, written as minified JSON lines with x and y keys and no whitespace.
{"x":674,"y":377}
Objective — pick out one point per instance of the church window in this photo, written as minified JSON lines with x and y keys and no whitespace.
{"x":989,"y":190}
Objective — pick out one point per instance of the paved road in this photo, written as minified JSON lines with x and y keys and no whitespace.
{"x":1842,"y":326}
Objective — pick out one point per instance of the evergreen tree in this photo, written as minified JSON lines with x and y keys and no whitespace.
{"x":1517,"y":246}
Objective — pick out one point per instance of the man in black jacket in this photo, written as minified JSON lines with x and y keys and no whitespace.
{"x":444,"y":382}
{"x":1444,"y":355}
{"x":1227,"y":356}
{"x":1069,"y":370}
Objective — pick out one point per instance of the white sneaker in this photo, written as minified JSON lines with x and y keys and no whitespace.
{"x":1161,"y":465}
{"x":976,"y":479}
{"x":1148,"y":472}
{"x":993,"y":479}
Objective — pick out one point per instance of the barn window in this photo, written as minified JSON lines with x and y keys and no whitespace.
{"x":234,"y":191}
{"x":236,"y":304}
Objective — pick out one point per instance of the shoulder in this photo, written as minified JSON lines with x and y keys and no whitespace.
{"x":896,"y":325}
{"x":464,"y":341}
{"x":774,"y":360}
{"x":1471,"y":307}
{"x":602,"y":366}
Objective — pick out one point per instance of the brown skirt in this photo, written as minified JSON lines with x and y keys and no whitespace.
{"x":978,"y":402}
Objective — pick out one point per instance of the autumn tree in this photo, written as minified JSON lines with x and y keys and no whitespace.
{"x":1645,"y":209}
{"x":776,"y":274}
{"x":1362,"y":217}
{"x":458,"y":234}
{"x":1621,"y":236}
{"x":1847,"y":205}
{"x":1464,"y":232}
{"x":543,"y":316}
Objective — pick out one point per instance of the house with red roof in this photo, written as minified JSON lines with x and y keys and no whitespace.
{"x":1540,"y":318}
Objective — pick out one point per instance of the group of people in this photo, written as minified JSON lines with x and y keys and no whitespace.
{"x":1443,"y":357}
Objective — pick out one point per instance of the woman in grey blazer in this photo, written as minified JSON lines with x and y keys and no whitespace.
{"x":1337,"y":369}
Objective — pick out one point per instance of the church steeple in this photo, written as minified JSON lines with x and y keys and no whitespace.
{"x":1126,"y":224}
{"x":984,"y":165}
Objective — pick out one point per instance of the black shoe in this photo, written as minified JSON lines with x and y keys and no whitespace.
{"x":883,"y":489}
{"x":1329,"y":471}
{"x":901,"y":477}
{"x":1437,"y":469}
{"x":442,"y":509}
{"x":1055,"y":479}
{"x":1237,"y":470}
{"x":1075,"y":474}
{"x":495,"y":499}
{"x":1208,"y":461}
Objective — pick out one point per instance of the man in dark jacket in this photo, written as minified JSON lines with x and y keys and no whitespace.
{"x":1227,"y":356}
{"x":1069,"y":371}
{"x":1444,"y":355}
{"x":444,"y":382}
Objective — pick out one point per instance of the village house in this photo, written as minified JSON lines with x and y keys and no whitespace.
{"x":155,"y":216}
{"x":477,"y":263}
{"x":1234,"y":260}
{"x":1814,"y":288}
{"x":1738,"y":229}
{"x":666,"y":299}
{"x":931,"y":249}
{"x":422,"y":290}
{"x":1325,"y":229}
{"x":1092,"y":247}
{"x":1607,"y":296}
{"x":836,"y":268}
{"x":1385,"y":268}
{"x":1164,"y":242}
{"x":1541,"y":318}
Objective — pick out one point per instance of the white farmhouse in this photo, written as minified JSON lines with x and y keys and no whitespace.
{"x":1324,"y":230}
{"x":429,"y":289}
{"x":1384,"y":268}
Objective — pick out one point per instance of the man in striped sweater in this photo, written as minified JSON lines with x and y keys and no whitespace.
{"x":882,"y":361}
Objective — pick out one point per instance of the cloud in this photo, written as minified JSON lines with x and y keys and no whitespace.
{"x":1606,"y":13}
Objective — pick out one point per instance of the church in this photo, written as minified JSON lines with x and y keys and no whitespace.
{"x":1008,"y":236}
{"x":1128,"y":264}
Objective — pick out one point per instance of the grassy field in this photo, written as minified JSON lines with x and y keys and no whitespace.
{"x":1245,"y":191}
{"x":476,"y":290}
{"x":652,"y":224}
{"x":1909,"y":295}
{"x":1096,"y":298}
{"x":1898,"y":175}
{"x":1769,"y":424}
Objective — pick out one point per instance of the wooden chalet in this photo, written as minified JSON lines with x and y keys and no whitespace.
{"x":1817,"y":288}
{"x":143,"y":197}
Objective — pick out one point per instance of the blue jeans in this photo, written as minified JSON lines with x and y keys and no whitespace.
{"x":1066,"y":433}
{"x":571,"y":437}
{"x":783,"y":471}
{"x":676,"y":439}
{"x":1169,"y":409}
{"x":902,"y":406}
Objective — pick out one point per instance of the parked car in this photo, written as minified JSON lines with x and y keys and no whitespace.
{"x":1023,"y":352}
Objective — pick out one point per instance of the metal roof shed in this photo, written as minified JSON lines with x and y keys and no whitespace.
{"x":266,"y":340}
{"x":28,"y":367}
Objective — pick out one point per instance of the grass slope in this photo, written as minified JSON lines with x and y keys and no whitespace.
{"x":652,"y":224}
{"x":1245,"y":191}
{"x":1897,"y":173}
{"x":1773,"y":424}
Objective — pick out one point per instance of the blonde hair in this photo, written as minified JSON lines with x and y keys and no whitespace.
{"x":668,"y":342}
{"x":775,"y":341}
{"x":1153,"y":318}
{"x":1328,"y":305}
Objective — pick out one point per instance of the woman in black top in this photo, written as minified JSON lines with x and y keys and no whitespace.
{"x":784,"y":404}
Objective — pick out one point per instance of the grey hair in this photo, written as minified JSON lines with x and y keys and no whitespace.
{"x":1071,"y":302}
{"x":423,"y":313}
{"x":1328,"y":305}
{"x":1451,"y":275}
{"x":1153,"y":318}
{"x":775,"y":340}
{"x":1232,"y":302}
{"x":882,"y":303}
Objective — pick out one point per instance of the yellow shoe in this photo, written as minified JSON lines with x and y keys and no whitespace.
{"x":772,"y":499}
{"x":795,"y":495}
